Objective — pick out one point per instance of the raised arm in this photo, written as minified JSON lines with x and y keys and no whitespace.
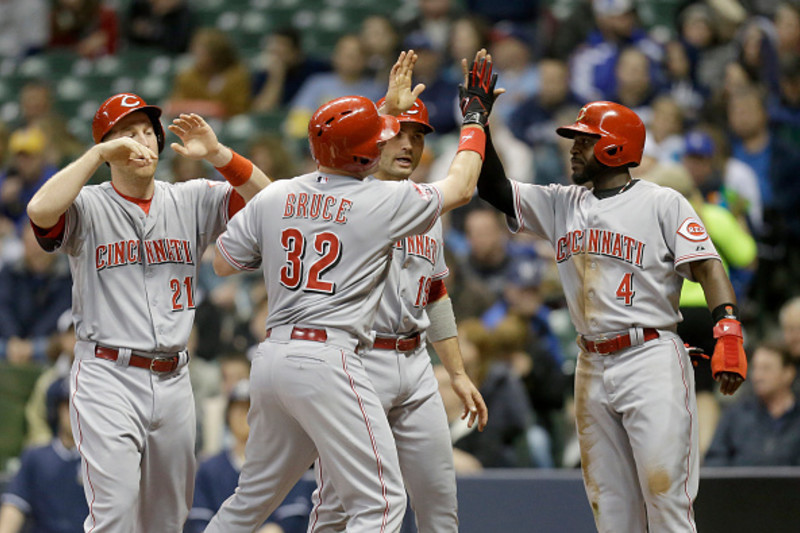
{"x":476,"y":105}
{"x":200,"y":142}
{"x":399,"y":95}
{"x":54,"y":197}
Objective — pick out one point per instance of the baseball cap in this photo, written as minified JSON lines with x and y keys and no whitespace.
{"x":508,"y":30}
{"x":699,"y":143}
{"x":610,"y":8}
{"x":28,"y":140}
{"x":525,"y":272}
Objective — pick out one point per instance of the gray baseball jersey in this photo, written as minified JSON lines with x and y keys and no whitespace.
{"x":409,"y":394}
{"x":134,"y":281}
{"x":621,"y":261}
{"x":324,"y":243}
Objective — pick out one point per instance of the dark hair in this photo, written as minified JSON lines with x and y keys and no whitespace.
{"x":779,"y":347}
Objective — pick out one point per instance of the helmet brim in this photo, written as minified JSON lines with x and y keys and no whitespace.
{"x":570,"y":131}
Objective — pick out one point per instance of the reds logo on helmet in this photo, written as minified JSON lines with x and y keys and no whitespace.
{"x":119,"y":106}
{"x":692,"y":230}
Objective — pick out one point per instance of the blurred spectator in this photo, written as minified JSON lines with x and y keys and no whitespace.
{"x":218,"y":476}
{"x":762,"y":430}
{"x":699,"y":30}
{"x":617,"y":27}
{"x":89,"y":27}
{"x":534,"y":121}
{"x":46,"y":493}
{"x":216,"y":83}
{"x":33,"y":294}
{"x":283,"y":69}
{"x":381,"y":45}
{"x":757,"y":52}
{"x":787,"y":29}
{"x":349,"y":76}
{"x":511,"y":46}
{"x":471,"y":298}
{"x":23,"y":27}
{"x":27,"y":171}
{"x":784,"y":108}
{"x":523,"y":11}
{"x":464,"y":462}
{"x":434,"y":19}
{"x":539,"y":360}
{"x":680,"y":72}
{"x":468,"y":34}
{"x":735,"y":79}
{"x":723,"y":180}
{"x":635,"y":83}
{"x":165,"y":25}
{"x":185,"y":169}
{"x":664,"y":141}
{"x":503,"y":444}
{"x":775,"y":164}
{"x":489,"y":254}
{"x":36,"y":111}
{"x":441,"y":94}
{"x":269,"y":153}
{"x":789,"y":319}
{"x":568,"y":28}
{"x":40,"y":431}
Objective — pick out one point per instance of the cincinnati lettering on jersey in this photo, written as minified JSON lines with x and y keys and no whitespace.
{"x":600,"y":242}
{"x":317,"y":205}
{"x":130,"y":252}
{"x":420,"y":246}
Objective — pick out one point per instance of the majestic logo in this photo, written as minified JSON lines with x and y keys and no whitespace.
{"x":692,"y":230}
{"x":423,"y":190}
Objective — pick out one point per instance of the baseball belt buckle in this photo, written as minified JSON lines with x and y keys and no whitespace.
{"x":171,"y":361}
{"x":406,"y":344}
{"x":602,"y":339}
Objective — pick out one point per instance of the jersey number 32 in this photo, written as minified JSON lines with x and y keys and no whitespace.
{"x":328,"y":249}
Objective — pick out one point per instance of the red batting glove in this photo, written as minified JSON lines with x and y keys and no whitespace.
{"x":729,"y":353}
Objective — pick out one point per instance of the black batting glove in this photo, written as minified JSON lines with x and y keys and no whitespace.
{"x":477,"y":98}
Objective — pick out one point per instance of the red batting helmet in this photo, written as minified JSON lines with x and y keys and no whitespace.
{"x":345,"y":132}
{"x":121,"y":105}
{"x":620,"y":130}
{"x":418,"y":114}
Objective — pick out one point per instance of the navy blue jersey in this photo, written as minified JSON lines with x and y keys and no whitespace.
{"x":217,"y":478}
{"x":48,"y":489}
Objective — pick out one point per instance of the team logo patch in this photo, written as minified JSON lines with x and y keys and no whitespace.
{"x":692,"y":230}
{"x":423,"y":190}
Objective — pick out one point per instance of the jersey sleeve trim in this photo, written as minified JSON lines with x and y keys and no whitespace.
{"x":688,"y":258}
{"x":50,"y":239}
{"x":441,"y":275}
{"x":437,"y":291}
{"x":516,"y":225}
{"x":229,"y":258}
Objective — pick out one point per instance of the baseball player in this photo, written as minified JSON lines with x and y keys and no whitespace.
{"x":623,"y":247}
{"x":413,"y":309}
{"x":30,"y":497}
{"x":324,"y":241}
{"x":134,"y":246}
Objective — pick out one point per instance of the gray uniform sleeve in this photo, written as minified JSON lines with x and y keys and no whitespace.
{"x":535,"y":209}
{"x":212,"y":199}
{"x":417,"y":208}
{"x":240,"y":244}
{"x":685,"y":234}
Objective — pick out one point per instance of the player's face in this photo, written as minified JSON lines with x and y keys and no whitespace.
{"x":138,"y":127}
{"x":582,"y":161}
{"x":400,"y":155}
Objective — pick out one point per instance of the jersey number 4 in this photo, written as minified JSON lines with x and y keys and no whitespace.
{"x":625,"y":290}
{"x":326,"y":245}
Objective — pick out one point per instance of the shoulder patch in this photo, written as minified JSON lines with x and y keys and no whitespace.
{"x":692,"y":230}
{"x":423,"y":190}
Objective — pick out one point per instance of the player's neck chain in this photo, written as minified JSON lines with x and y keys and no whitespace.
{"x":607,"y":193}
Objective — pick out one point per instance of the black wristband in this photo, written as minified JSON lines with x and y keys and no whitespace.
{"x":725,"y":311}
{"x":474,"y":117}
